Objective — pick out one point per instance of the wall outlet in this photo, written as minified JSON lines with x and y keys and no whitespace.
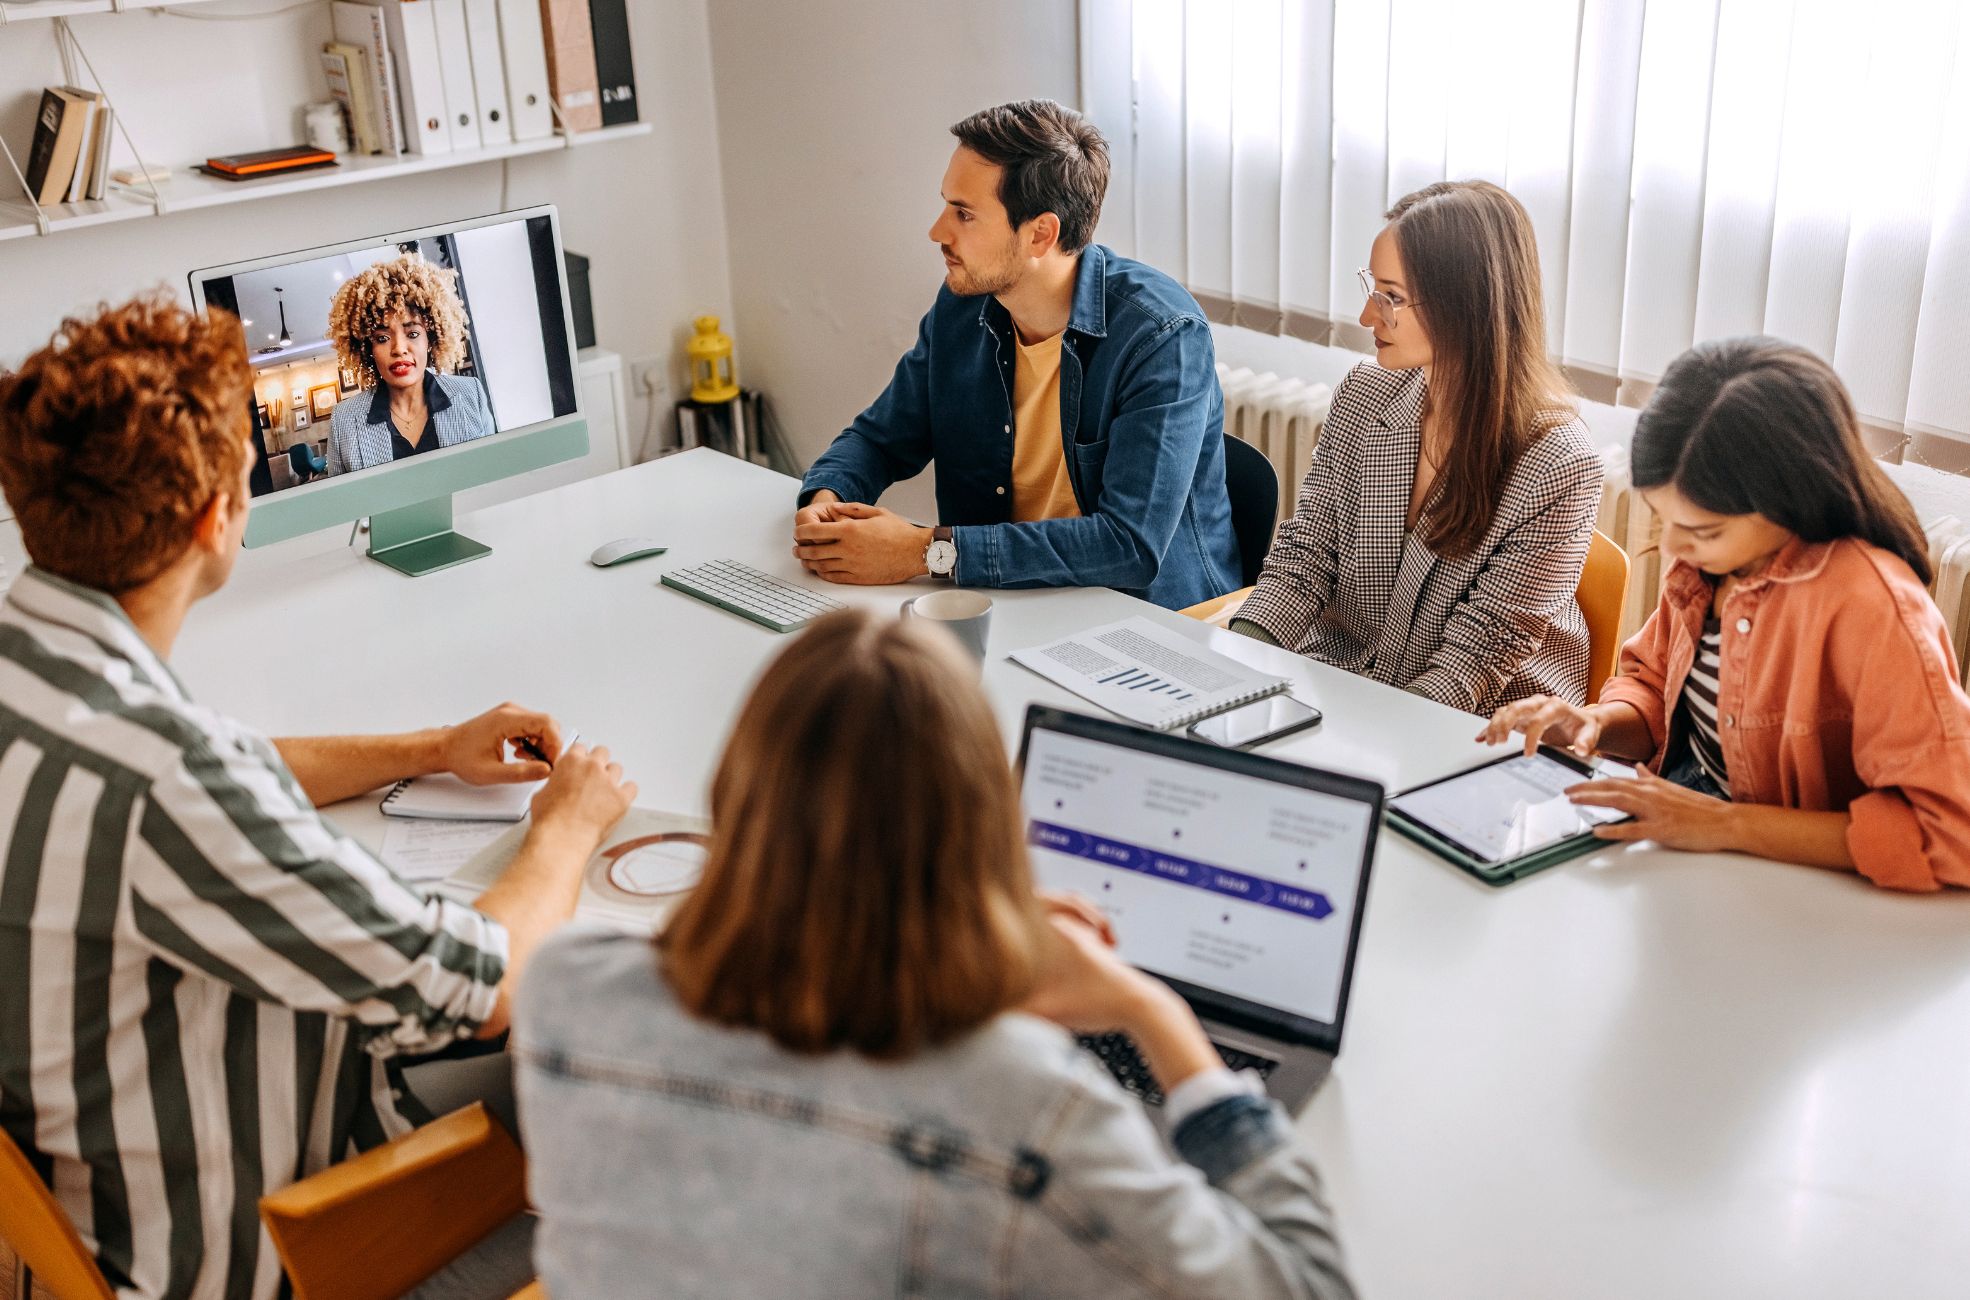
{"x":648,"y":378}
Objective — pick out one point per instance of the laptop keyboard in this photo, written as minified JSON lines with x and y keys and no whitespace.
{"x":745,"y":591}
{"x":1118,"y":1052}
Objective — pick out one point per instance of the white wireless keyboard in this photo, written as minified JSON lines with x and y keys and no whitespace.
{"x":745,"y":591}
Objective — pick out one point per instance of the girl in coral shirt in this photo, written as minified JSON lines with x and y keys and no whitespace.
{"x":1795,"y":694}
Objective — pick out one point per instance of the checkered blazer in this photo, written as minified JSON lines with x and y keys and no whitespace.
{"x":1347,"y":584}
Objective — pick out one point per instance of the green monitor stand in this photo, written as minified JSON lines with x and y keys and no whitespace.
{"x":416,"y":540}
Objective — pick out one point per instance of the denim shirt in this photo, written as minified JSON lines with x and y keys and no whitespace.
{"x":1141,"y":425}
{"x":670,"y":1156}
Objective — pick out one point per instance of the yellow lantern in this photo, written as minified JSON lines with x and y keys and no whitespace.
{"x":713,"y":376}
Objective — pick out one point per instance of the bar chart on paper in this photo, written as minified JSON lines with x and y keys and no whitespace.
{"x":1147,"y":674}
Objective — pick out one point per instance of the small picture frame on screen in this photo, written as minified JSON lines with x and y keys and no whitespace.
{"x":321,"y":401}
{"x":346,"y":377}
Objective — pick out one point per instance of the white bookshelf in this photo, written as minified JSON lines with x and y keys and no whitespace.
{"x":189,"y":188}
{"x":22,"y":11}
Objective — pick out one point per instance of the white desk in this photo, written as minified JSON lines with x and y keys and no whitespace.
{"x":1643,"y":1074}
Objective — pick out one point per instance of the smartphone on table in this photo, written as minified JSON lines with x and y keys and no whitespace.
{"x":1256,"y":723}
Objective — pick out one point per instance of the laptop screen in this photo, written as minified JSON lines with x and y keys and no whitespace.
{"x":1236,"y":878}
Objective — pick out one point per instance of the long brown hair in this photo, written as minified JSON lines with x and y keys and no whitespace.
{"x":1757,"y":425}
{"x":867,"y":885}
{"x":1472,"y":264}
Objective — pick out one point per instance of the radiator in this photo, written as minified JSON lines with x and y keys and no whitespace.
{"x":1942,"y":503}
{"x":1281,"y":417}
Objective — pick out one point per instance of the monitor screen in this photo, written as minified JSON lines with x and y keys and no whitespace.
{"x":1214,"y":878}
{"x":368,"y":356}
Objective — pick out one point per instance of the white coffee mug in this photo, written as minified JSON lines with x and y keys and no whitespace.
{"x":968,"y":615}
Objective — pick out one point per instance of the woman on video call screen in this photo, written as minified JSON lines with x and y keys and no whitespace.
{"x":401,"y":328}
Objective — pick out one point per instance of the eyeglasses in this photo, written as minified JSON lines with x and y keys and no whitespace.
{"x":1386,"y":305}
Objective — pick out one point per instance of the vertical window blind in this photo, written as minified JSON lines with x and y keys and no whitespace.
{"x":1694,"y":168}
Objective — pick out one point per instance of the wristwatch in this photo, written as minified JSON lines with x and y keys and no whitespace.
{"x":941,"y":556}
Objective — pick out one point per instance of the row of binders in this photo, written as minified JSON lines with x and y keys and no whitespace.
{"x":69,"y":160}
{"x":434,"y":76}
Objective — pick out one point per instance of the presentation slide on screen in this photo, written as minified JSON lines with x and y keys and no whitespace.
{"x":1239,"y":885}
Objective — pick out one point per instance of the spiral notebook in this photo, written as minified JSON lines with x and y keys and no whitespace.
{"x":443,"y":797}
{"x":1148,"y":674}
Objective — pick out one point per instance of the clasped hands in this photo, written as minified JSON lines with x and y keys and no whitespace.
{"x":1667,"y":813}
{"x":846,"y":541}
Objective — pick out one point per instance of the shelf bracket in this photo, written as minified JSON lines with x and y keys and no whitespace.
{"x":67,"y":36}
{"x":40,"y":216}
{"x":560,"y":123}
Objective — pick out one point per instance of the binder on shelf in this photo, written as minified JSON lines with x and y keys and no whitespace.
{"x":362,"y":26}
{"x":571,"y":63}
{"x":615,"y":70}
{"x":523,"y":54}
{"x":488,"y":74}
{"x":455,"y":62}
{"x":413,"y":37}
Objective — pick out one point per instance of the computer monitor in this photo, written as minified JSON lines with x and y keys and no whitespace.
{"x":463,"y":326}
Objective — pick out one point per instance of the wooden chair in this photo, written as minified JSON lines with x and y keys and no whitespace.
{"x":375,"y":1226}
{"x":1218,"y":611}
{"x":1602,"y":593}
{"x":34,"y":1226}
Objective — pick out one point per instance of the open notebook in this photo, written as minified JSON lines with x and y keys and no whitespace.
{"x":1148,"y":674}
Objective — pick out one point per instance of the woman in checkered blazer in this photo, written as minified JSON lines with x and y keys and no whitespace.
{"x":1441,"y":530}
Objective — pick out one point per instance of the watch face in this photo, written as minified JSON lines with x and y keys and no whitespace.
{"x":941,"y":558}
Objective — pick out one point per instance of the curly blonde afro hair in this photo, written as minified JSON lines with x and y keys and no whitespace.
{"x":408,"y":284}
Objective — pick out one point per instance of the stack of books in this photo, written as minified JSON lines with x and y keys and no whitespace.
{"x":267,"y":162}
{"x":69,"y":159}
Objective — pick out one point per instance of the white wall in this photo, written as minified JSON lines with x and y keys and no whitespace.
{"x":648,"y":210}
{"x":834,"y":131}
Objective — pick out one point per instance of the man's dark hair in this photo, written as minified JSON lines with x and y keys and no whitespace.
{"x":1053,"y":159}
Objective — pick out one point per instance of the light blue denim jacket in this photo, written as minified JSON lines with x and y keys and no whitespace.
{"x":669,"y":1156}
{"x":1141,"y":427}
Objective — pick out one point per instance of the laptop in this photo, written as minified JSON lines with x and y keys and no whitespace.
{"x":1238,"y":880}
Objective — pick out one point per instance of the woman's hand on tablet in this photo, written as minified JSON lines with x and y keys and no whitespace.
{"x":1667,"y":813}
{"x":1545,"y":719}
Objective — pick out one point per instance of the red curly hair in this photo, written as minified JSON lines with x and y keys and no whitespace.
{"x":116,"y":436}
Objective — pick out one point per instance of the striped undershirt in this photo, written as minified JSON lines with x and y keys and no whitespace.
{"x":202,"y":978}
{"x":1699,"y":705}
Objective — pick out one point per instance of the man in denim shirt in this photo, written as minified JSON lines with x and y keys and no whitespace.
{"x":1068,"y":395}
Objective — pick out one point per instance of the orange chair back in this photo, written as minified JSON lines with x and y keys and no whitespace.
{"x":33,"y":1224}
{"x":1603,"y":591}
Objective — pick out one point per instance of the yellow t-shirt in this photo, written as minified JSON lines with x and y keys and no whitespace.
{"x":1040,"y":487}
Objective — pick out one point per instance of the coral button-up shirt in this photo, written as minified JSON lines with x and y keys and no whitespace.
{"x":1838,"y":690}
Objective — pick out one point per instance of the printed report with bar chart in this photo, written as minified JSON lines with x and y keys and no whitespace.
{"x":1148,"y":674}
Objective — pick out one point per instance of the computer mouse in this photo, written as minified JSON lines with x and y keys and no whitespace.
{"x":624,"y":549}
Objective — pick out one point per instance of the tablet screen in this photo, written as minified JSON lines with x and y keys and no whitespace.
{"x":1509,"y":809}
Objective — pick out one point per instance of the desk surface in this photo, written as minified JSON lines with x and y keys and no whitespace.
{"x":1644,"y":1074}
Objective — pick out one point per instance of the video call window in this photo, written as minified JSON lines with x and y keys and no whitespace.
{"x":343,"y":346}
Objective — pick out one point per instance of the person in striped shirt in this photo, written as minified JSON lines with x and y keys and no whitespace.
{"x":205,"y":987}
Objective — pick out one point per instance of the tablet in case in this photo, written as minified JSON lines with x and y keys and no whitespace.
{"x":1506,"y":870}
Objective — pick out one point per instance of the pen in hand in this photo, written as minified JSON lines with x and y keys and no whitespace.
{"x":528,"y":746}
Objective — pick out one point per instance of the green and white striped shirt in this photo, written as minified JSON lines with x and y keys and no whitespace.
{"x":200,"y":978}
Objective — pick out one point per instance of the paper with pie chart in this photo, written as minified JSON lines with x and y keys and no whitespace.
{"x":644,"y":868}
